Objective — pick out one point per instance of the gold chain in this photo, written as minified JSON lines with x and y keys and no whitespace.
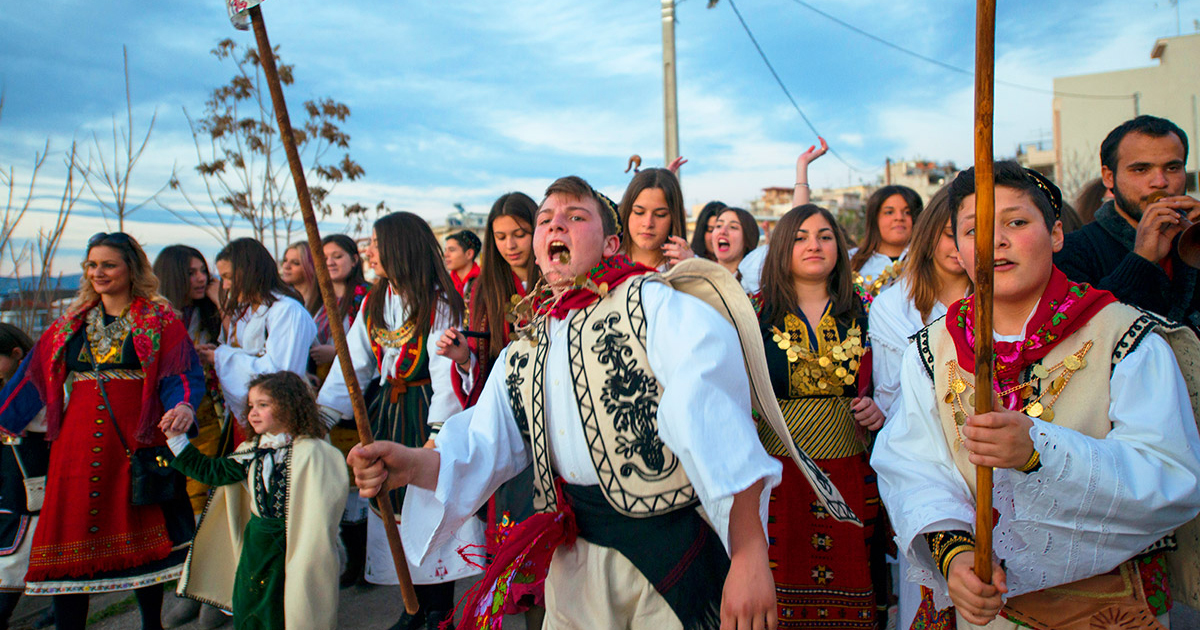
{"x":1035,"y":408}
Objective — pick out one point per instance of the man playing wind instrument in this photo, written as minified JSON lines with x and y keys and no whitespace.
{"x":1094,"y":441}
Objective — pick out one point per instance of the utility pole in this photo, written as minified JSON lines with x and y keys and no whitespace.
{"x":670,"y":106}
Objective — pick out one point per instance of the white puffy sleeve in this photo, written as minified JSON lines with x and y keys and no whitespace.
{"x":444,"y":402}
{"x":889,"y":333}
{"x":704,"y":412}
{"x":480,"y":449}
{"x":918,"y":481}
{"x":334,"y":398}
{"x":1094,"y":503}
{"x":290,"y":332}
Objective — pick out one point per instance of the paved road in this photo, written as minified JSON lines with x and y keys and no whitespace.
{"x":360,"y":608}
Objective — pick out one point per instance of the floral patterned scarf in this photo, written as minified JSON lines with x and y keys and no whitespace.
{"x":611,"y":271}
{"x":162,"y":345}
{"x":1065,"y":306}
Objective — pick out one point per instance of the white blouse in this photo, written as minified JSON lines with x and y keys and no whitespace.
{"x":334,"y":398}
{"x":268,"y":339}
{"x":892,"y":320}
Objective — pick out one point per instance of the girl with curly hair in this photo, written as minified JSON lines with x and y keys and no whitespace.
{"x":279,"y":497}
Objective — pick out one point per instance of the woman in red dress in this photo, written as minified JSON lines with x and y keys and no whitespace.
{"x":815,"y":332}
{"x":125,"y":358}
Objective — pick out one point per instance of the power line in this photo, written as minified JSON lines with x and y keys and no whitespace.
{"x":787,"y":92}
{"x":950,"y":67}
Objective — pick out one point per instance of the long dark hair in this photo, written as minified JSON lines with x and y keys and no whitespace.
{"x":172,"y":268}
{"x":871,"y":242}
{"x":356,"y":277}
{"x":663,"y":180}
{"x":778,"y":293}
{"x":699,"y":244}
{"x":255,"y":277}
{"x":919,"y":271}
{"x":412,"y":260}
{"x":492,"y":292}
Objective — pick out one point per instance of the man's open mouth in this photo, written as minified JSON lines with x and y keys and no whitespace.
{"x":557,"y":250}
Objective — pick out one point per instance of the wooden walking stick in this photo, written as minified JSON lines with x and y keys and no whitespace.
{"x":384,"y":501}
{"x":985,"y":226}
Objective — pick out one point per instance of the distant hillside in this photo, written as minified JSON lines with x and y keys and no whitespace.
{"x":8,"y":285}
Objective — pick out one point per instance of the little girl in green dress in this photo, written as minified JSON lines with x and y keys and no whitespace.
{"x":276,"y":505}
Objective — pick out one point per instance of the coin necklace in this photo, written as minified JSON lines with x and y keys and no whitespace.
{"x":1038,"y":407}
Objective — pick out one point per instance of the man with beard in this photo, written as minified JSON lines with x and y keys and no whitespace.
{"x":1129,"y":249}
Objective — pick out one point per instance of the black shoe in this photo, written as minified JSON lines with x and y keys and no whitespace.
{"x":435,"y":618}
{"x":354,"y":538}
{"x":410,"y":622}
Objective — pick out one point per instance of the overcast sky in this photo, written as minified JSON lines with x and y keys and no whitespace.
{"x":463,"y":101}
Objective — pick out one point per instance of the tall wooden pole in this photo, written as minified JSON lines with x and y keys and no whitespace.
{"x":670,"y":105}
{"x":985,"y":226}
{"x":267,"y":58}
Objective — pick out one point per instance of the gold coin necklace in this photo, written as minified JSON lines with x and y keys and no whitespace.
{"x":1038,"y":407}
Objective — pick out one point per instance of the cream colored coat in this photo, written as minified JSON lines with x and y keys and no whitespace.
{"x":316,"y":486}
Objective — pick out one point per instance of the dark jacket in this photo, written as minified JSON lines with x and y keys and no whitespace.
{"x":1101,"y":254}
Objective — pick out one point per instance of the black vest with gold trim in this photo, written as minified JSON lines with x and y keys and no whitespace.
{"x":617,"y":396}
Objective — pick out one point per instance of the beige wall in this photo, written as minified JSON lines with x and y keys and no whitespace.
{"x":1169,"y":89}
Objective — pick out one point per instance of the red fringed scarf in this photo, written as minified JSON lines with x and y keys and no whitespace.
{"x":519,"y":567}
{"x":612,"y":271}
{"x":162,"y":345}
{"x":1065,"y":306}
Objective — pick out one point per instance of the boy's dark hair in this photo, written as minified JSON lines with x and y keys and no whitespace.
{"x":12,"y":338}
{"x":294,"y":399}
{"x":575,"y":186}
{"x":1009,"y":174}
{"x":466,"y":239}
{"x":1152,"y":126}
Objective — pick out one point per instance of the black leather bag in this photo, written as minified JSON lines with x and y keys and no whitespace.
{"x":151,"y":478}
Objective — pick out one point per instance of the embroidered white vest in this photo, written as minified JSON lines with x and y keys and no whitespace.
{"x":617,"y":395}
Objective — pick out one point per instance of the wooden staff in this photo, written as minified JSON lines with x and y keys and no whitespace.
{"x":985,"y":226}
{"x":267,"y":57}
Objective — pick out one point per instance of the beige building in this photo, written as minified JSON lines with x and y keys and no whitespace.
{"x":923,"y":176}
{"x":1169,"y":89}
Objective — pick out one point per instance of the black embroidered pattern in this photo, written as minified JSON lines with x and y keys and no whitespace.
{"x":1133,"y":337}
{"x":630,"y":395}
{"x":517,"y":362}
{"x":271,"y":500}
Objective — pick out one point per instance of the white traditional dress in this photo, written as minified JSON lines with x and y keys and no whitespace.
{"x":703,"y":418}
{"x":894,"y":318}
{"x":415,"y":396}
